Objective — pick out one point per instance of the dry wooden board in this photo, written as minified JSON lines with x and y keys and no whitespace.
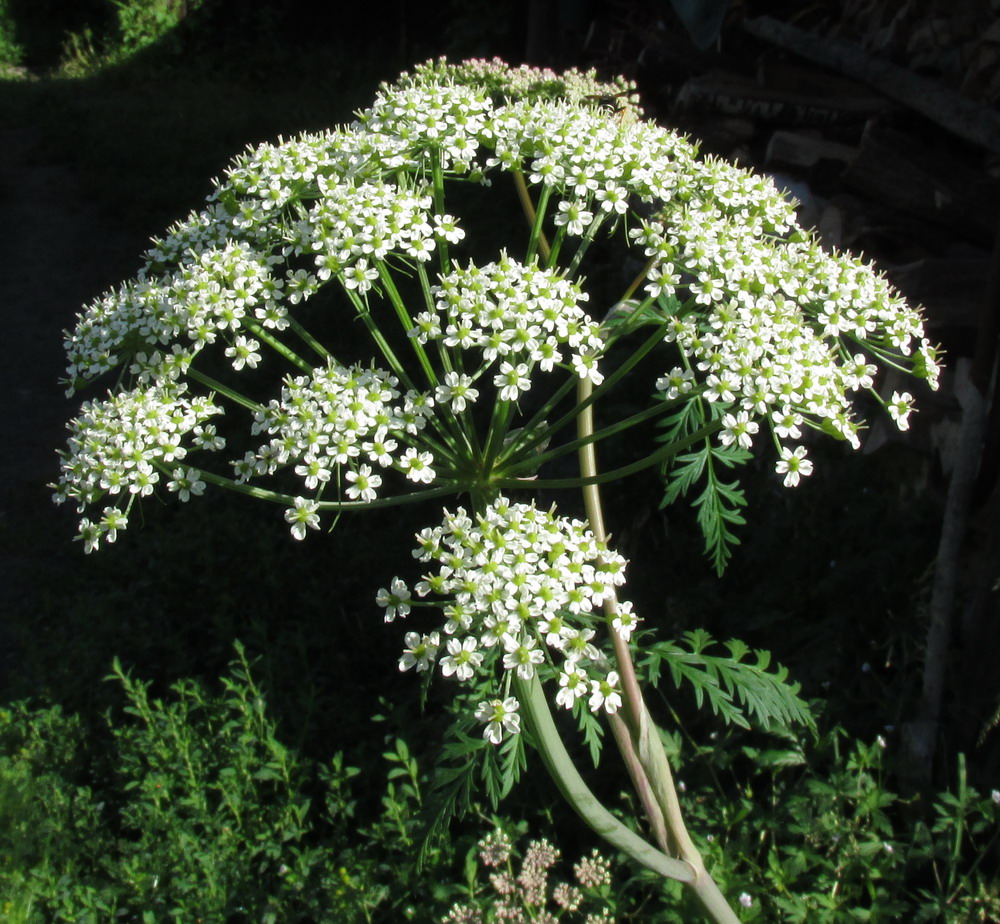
{"x":959,"y":115}
{"x":738,"y":96}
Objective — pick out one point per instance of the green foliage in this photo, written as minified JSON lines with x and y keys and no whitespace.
{"x":51,"y":826}
{"x":197,"y":811}
{"x":138,"y":24}
{"x":734,"y":686}
{"x":719,"y":503}
{"x":11,"y":51}
{"x":814,"y":834}
{"x":143,"y":22}
{"x":468,"y":765}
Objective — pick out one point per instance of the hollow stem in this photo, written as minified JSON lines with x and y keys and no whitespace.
{"x":217,"y":386}
{"x":437,"y":178}
{"x":309,"y":339}
{"x":364,"y":313}
{"x":563,"y":771}
{"x":288,"y":500}
{"x":643,"y":745}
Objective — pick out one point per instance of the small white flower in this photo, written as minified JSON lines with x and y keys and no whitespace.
{"x":244,"y":353}
{"x":675,"y":383}
{"x":360,"y":276}
{"x":573,"y":216}
{"x":746,"y":900}
{"x":313,"y":471}
{"x":417,"y":466}
{"x":500,"y":716}
{"x":395,"y":600}
{"x":572,"y":685}
{"x":625,"y":621}
{"x":585,"y":366}
{"x":363,"y":484}
{"x":738,"y":429}
{"x":420,"y":652}
{"x":521,"y":655}
{"x":793,"y":465}
{"x":446,"y":226}
{"x":899,"y":409}
{"x":457,"y":391}
{"x":301,"y":516}
{"x":186,"y":483}
{"x":786,"y":424}
{"x":112,"y":521}
{"x":577,"y":645}
{"x":462,"y":659}
{"x":605,"y":693}
{"x":512,"y":380}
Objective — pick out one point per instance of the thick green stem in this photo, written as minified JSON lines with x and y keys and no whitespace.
{"x":644,"y":745}
{"x":437,"y":178}
{"x":588,"y":238}
{"x":364,"y":313}
{"x":640,"y":782}
{"x":595,"y":514}
{"x":657,"y":767}
{"x":287,"y":500}
{"x":309,"y":339}
{"x":563,"y":771}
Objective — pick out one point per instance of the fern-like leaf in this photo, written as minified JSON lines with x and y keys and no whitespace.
{"x":738,"y":686}
{"x":719,"y":503}
{"x":592,"y":729}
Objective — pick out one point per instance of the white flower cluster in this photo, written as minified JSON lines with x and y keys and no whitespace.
{"x":214,"y":294}
{"x":515,"y":314}
{"x":522,"y":584}
{"x":775,"y":327}
{"x":774,"y":331}
{"x":270,"y":177}
{"x":208,"y":229}
{"x":119,"y":446}
{"x":588,"y":155}
{"x":500,"y":79}
{"x":341,"y":416}
{"x":352,"y":226}
{"x":444,"y":119}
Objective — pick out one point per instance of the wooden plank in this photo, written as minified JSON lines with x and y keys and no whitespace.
{"x":959,"y":115}
{"x":738,"y":96}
